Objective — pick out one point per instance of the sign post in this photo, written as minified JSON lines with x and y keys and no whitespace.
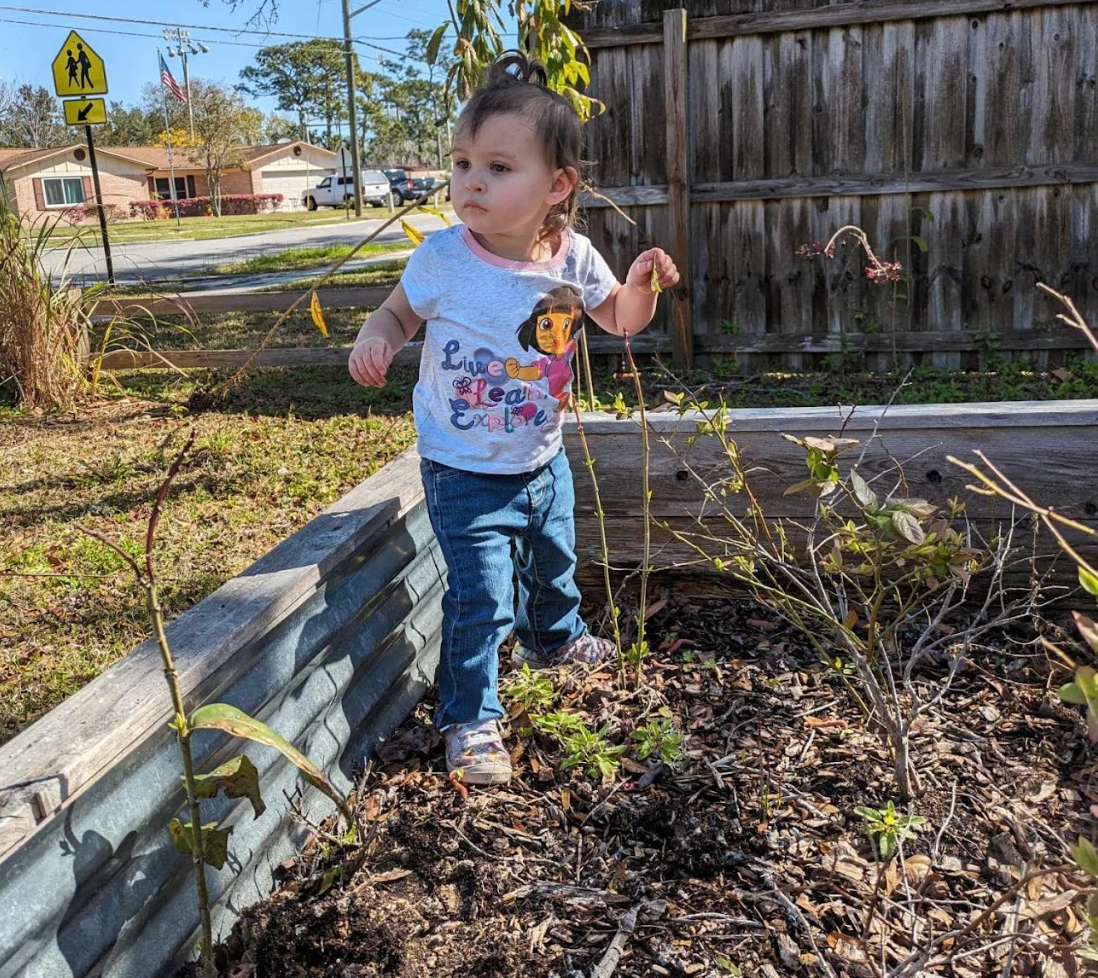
{"x":345,"y":163}
{"x":78,"y":71}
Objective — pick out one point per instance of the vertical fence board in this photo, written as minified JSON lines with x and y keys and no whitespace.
{"x":993,"y":116}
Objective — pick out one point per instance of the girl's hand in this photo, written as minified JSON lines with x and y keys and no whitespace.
{"x":369,"y":361}
{"x":640,"y":272}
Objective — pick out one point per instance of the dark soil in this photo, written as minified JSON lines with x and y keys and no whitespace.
{"x":746,"y":857}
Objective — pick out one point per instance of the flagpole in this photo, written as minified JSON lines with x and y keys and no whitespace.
{"x":168,"y":137}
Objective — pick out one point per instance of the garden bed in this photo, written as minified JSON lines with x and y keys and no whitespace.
{"x":744,"y":858}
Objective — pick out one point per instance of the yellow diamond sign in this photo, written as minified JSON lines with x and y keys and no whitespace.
{"x":78,"y":70}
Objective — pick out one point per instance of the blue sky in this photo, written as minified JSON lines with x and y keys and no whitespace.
{"x":27,"y":48}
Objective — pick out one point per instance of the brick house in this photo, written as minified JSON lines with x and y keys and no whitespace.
{"x":44,"y":181}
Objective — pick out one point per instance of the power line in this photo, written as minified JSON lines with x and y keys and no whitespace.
{"x":242,"y":44}
{"x":107,"y":30}
{"x":193,"y":27}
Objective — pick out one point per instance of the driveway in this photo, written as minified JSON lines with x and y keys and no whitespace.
{"x":152,"y":260}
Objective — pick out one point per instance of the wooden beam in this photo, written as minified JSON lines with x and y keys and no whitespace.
{"x":187,"y":303}
{"x":318,"y":356}
{"x":910,"y":341}
{"x":678,"y":179}
{"x":840,"y":15}
{"x":859,"y":185}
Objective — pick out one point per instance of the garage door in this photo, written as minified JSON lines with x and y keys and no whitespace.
{"x":291,"y":184}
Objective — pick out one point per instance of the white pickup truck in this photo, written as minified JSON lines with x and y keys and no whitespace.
{"x":338,"y":190}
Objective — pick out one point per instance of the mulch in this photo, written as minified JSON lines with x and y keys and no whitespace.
{"x":744,"y":858}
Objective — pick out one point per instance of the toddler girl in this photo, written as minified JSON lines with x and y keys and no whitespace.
{"x":503,"y":296}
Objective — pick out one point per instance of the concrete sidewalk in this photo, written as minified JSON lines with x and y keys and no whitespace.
{"x":157,"y":261}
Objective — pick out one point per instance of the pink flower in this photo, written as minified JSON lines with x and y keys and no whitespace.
{"x":884,"y":272}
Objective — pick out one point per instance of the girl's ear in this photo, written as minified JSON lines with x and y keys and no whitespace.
{"x":564,"y":182}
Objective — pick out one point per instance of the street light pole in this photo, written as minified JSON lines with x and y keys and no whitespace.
{"x":349,"y":55}
{"x":180,"y":37}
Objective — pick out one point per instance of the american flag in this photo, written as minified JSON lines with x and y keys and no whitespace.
{"x":166,"y":78}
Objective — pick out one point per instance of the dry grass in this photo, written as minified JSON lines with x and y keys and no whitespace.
{"x":40,"y":323}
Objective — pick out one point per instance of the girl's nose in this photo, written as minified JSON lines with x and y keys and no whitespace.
{"x":474,"y":182}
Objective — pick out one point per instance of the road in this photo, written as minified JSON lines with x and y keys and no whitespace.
{"x":155,"y":260}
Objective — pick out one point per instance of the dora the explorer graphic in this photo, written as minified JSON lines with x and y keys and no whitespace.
{"x":555,"y":320}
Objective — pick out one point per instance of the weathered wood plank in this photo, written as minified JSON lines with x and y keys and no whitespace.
{"x":860,"y":185}
{"x":312,"y":356}
{"x":678,"y":180}
{"x":186,"y":303}
{"x":836,"y":15}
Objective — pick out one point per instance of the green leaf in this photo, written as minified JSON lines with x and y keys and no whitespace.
{"x":238,"y":778}
{"x":222,"y":716}
{"x":907,"y":527}
{"x":866,"y":497}
{"x":215,"y":841}
{"x":434,"y":43}
{"x":1088,"y":581}
{"x":1088,"y":630}
{"x":1072,"y":693}
{"x":1086,"y":857}
{"x":920,"y":243}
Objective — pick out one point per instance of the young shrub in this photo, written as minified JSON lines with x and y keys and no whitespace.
{"x":867,"y":580}
{"x":238,"y":777}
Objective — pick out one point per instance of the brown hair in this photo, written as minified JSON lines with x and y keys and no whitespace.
{"x":517,"y":84}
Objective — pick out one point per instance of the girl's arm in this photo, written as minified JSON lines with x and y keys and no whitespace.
{"x":385,"y":331}
{"x":630,"y":307}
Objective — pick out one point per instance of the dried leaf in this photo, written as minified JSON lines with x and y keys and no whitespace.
{"x":655,"y":282}
{"x":318,"y":314}
{"x":415,"y":235}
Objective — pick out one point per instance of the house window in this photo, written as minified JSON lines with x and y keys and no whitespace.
{"x":63,"y":192}
{"x":184,"y":188}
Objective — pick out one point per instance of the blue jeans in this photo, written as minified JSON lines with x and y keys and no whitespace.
{"x":492,"y":529}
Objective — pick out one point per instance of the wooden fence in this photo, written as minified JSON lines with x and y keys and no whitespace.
{"x":962,"y":135}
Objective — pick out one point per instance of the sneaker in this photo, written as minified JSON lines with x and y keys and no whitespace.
{"x":588,"y":649}
{"x":476,"y":750}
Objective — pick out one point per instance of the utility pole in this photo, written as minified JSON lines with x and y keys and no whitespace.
{"x":349,"y":55}
{"x":179,"y":37}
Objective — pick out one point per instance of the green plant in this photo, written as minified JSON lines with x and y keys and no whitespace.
{"x":867,"y":579}
{"x":590,"y":750}
{"x":530,"y":690}
{"x":889,"y":827}
{"x":659,"y":738}
{"x":237,"y":778}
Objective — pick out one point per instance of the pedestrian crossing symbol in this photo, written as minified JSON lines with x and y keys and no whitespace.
{"x":78,"y":70}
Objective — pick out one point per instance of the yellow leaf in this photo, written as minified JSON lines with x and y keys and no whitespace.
{"x":656,"y":279}
{"x":415,"y":235}
{"x":318,"y":314}
{"x":439,"y":214}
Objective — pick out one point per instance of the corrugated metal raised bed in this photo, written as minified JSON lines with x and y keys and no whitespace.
{"x":332,"y":638}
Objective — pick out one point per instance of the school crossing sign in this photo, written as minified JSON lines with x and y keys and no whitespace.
{"x":77,"y":70}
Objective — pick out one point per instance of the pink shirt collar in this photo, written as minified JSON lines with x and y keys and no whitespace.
{"x":485,"y":255}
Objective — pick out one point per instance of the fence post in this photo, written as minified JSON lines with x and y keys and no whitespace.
{"x":678,"y":180}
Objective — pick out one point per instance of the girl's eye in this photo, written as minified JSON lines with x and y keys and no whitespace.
{"x":461,"y":164}
{"x":499,"y":168}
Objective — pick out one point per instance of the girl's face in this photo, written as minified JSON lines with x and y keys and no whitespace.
{"x":554,"y":330}
{"x":502,"y":184}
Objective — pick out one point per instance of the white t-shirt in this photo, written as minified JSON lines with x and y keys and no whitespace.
{"x":496,"y":368}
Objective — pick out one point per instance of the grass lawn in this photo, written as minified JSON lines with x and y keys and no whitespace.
{"x":297,"y":258}
{"x":286,"y":444}
{"x":200,"y":228}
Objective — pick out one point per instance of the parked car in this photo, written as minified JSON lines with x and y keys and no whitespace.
{"x":338,"y":190}
{"x":398,"y":180}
